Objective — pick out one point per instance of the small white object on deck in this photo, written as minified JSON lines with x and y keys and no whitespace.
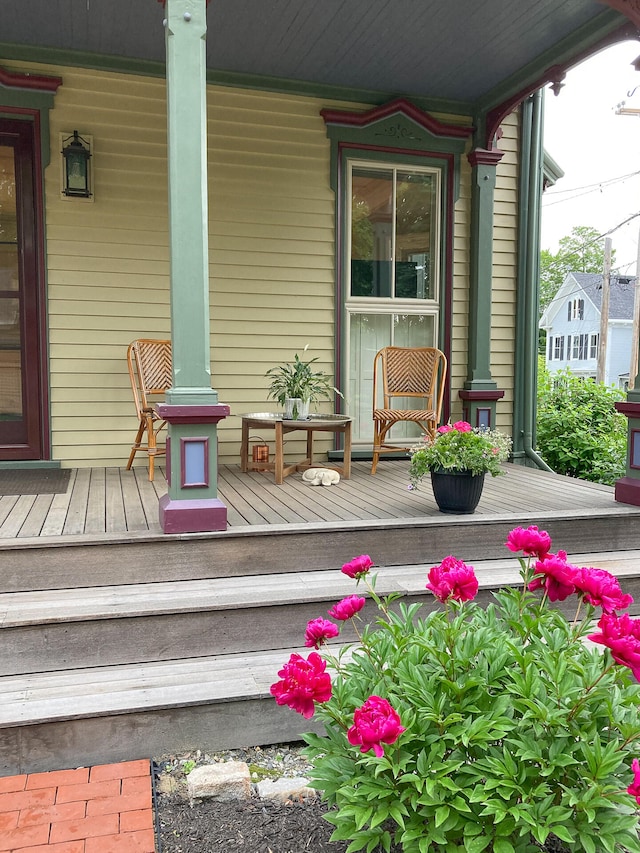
{"x":320,"y":477}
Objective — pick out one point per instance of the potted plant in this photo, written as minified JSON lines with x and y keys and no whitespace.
{"x":458,"y":459}
{"x":297,"y":384}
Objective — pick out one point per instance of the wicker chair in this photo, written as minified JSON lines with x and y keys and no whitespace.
{"x":410,"y":373}
{"x":149,"y":364}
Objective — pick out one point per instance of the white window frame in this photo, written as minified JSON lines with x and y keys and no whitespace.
{"x":594,"y":344}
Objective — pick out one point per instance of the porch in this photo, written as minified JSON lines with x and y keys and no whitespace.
{"x":102,"y":504}
{"x":119,"y":642}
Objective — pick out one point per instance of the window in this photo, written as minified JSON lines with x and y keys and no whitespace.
{"x":558,"y":348}
{"x":580,"y":343}
{"x":394,"y":233}
{"x":575,"y":310}
{"x":568,"y":347}
{"x":593,"y":346}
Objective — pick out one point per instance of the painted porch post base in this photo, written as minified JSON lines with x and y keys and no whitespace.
{"x":479,"y":407}
{"x":627,"y":489}
{"x":192,"y":504}
{"x":192,"y":516}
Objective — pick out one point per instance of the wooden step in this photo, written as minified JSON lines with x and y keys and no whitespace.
{"x":110,"y":714}
{"x":103,"y":713}
{"x":79,"y":562}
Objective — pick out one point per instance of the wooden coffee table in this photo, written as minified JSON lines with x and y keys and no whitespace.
{"x":315,"y":423}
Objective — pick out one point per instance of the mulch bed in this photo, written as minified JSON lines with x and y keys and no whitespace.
{"x":256,"y":826}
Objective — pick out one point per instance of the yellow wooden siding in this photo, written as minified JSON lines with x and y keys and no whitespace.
{"x":271,"y":250}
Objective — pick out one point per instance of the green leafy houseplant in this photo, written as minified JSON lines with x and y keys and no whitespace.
{"x":460,"y":447}
{"x":471,"y":728}
{"x":299,"y":380}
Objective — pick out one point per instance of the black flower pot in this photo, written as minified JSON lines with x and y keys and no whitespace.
{"x":457,"y":492}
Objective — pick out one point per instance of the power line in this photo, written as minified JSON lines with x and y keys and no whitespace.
{"x":598,"y":184}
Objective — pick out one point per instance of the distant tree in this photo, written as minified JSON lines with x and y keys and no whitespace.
{"x":580,"y":251}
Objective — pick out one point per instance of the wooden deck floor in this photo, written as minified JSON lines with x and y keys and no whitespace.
{"x":103,"y":501}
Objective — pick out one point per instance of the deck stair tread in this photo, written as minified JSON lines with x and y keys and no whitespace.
{"x":43,"y":607}
{"x":43,"y":697}
{"x":128,"y":688}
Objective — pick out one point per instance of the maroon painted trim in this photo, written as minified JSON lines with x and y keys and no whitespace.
{"x":485,"y":157}
{"x":627,"y":491}
{"x":629,"y":8}
{"x":192,"y":516}
{"x":400,"y":105}
{"x":192,"y":414}
{"x":199,"y":439}
{"x":634,"y":439}
{"x":631,"y":410}
{"x":481,"y":395}
{"x":555,"y":74}
{"x":38,"y":82}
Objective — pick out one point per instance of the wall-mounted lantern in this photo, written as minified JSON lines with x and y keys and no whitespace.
{"x":76,"y":174}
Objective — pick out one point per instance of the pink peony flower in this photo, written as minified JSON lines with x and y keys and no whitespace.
{"x":453,"y":579}
{"x":304,"y":682}
{"x":319,"y":631}
{"x":621,"y":635}
{"x":445,"y":428}
{"x":462,"y":426}
{"x":374,"y":723}
{"x":601,"y":589}
{"x":358,"y":567}
{"x":634,"y":787}
{"x":347,"y":608}
{"x":532,"y":542}
{"x":555,"y":575}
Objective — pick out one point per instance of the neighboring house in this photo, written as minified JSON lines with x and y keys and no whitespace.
{"x":374,"y":177}
{"x":572,"y":322}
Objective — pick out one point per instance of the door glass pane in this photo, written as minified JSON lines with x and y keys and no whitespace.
{"x":371,"y":232}
{"x":10,"y":351}
{"x":368,"y":334}
{"x":415,"y":235}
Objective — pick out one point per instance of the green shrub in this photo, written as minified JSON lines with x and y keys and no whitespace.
{"x":478,"y":729}
{"x":579,"y":431}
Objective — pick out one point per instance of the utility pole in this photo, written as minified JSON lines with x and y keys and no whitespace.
{"x":635,"y":335}
{"x":604,"y":312}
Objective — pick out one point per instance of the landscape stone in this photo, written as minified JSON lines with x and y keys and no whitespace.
{"x":226,"y":781}
{"x":283,"y":789}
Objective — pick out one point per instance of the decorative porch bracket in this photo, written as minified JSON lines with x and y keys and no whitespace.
{"x":191,"y":410}
{"x":481,"y":392}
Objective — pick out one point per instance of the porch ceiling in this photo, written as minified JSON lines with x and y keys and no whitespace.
{"x":455,"y":50}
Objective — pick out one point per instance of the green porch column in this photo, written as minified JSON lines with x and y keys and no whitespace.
{"x":191,"y":410}
{"x":480,"y":392}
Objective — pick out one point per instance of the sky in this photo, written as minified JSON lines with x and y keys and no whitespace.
{"x":598,"y":151}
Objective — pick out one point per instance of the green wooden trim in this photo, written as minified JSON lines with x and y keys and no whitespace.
{"x":227,"y":79}
{"x":483,"y":182}
{"x":81,"y":59}
{"x":26,"y":99}
{"x":529,"y":216}
{"x":564,"y":52}
{"x":551,"y":171}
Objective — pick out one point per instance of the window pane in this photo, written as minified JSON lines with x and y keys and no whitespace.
{"x":368,"y":334}
{"x":371,"y":232}
{"x":415,"y":235}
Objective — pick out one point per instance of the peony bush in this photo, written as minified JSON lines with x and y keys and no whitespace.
{"x":472,"y":728}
